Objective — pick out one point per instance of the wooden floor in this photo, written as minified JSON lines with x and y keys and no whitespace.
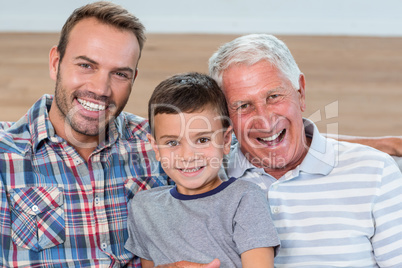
{"x":354,"y":84}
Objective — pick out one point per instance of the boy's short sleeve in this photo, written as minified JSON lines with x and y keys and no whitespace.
{"x":135,"y":242}
{"x":253,"y":226}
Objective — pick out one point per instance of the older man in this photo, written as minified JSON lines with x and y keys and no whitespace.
{"x":335,"y":204}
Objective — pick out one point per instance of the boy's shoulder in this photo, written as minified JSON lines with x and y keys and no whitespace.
{"x":246,"y":185}
{"x":153,"y":193}
{"x":243,"y":188}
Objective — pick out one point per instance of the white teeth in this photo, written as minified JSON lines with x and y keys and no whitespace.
{"x":90,"y":106}
{"x":272,"y":137}
{"x":191,"y":170}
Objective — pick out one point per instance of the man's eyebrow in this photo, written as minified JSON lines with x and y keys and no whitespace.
{"x":86,"y":59}
{"x":121,"y":69}
{"x":245,"y":101}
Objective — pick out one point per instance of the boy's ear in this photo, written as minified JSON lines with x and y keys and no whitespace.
{"x":154,"y":146}
{"x":227,"y":140}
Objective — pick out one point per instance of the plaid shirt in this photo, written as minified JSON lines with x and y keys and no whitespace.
{"x":58,"y":210}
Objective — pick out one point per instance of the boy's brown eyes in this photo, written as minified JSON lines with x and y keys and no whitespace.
{"x":172,"y":143}
{"x":204,"y":140}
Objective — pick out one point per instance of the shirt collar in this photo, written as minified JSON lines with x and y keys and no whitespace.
{"x":41,"y":128}
{"x":38,"y":121}
{"x":320,"y":158}
{"x":238,"y":163}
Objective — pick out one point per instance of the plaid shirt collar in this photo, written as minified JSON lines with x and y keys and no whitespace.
{"x":42,"y":129}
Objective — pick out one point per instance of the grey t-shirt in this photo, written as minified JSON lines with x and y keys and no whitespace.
{"x":165,"y":226}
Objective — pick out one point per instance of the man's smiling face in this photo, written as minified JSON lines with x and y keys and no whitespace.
{"x":94,"y":78}
{"x":266,"y":112}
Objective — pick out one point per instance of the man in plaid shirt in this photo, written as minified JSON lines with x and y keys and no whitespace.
{"x":69,"y":166}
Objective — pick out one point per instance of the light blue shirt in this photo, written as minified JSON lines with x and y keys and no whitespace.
{"x":341,"y":207}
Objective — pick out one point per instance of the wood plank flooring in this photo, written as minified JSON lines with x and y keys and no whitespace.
{"x":354,"y":84}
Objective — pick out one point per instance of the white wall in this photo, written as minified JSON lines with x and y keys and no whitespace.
{"x":316,"y":17}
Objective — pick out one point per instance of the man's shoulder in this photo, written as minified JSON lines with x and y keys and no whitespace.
{"x":14,"y":137}
{"x":348,"y":152}
{"x":4,"y":125}
{"x":349,"y":148}
{"x":240,"y":188}
{"x":133,"y":126}
{"x":245,"y":185}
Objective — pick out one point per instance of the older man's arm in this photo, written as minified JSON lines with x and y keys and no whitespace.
{"x":185,"y":264}
{"x":391,"y":145}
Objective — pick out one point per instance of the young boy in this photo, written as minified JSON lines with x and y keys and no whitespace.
{"x":202,"y":217}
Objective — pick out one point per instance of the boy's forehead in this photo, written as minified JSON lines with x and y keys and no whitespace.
{"x":203,"y":120}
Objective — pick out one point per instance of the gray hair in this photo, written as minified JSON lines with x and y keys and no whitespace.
{"x":250,"y":49}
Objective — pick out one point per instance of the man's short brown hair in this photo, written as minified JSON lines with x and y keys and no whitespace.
{"x":106,"y":12}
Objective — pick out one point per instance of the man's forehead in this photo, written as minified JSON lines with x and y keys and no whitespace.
{"x":100,"y":41}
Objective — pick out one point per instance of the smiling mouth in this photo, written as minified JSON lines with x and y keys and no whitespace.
{"x":190,"y":170}
{"x":274,"y":139}
{"x":91,"y":106}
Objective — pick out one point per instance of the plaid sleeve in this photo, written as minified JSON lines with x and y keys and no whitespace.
{"x":4,"y":223}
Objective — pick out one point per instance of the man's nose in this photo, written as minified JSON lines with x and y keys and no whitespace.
{"x":100,"y":84}
{"x":263,"y":118}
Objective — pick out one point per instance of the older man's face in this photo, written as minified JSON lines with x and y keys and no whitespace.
{"x":267,"y":116}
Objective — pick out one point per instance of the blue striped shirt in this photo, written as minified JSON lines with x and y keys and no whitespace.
{"x":58,"y":210}
{"x":341,"y":207}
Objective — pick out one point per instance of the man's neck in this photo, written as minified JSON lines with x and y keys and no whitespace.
{"x":82,"y":143}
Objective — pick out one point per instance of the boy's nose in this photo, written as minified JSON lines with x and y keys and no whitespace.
{"x":187,"y":152}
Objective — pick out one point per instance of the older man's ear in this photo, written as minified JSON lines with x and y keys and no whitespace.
{"x":302,"y":92}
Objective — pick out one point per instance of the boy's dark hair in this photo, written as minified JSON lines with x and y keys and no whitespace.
{"x":187,"y":93}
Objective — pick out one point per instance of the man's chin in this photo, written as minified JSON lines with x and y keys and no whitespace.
{"x":90,"y":130}
{"x":89,"y":127}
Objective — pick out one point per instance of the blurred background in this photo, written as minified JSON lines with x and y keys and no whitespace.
{"x":349,"y":50}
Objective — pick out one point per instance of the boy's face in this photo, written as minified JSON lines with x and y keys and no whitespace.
{"x":190,"y":147}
